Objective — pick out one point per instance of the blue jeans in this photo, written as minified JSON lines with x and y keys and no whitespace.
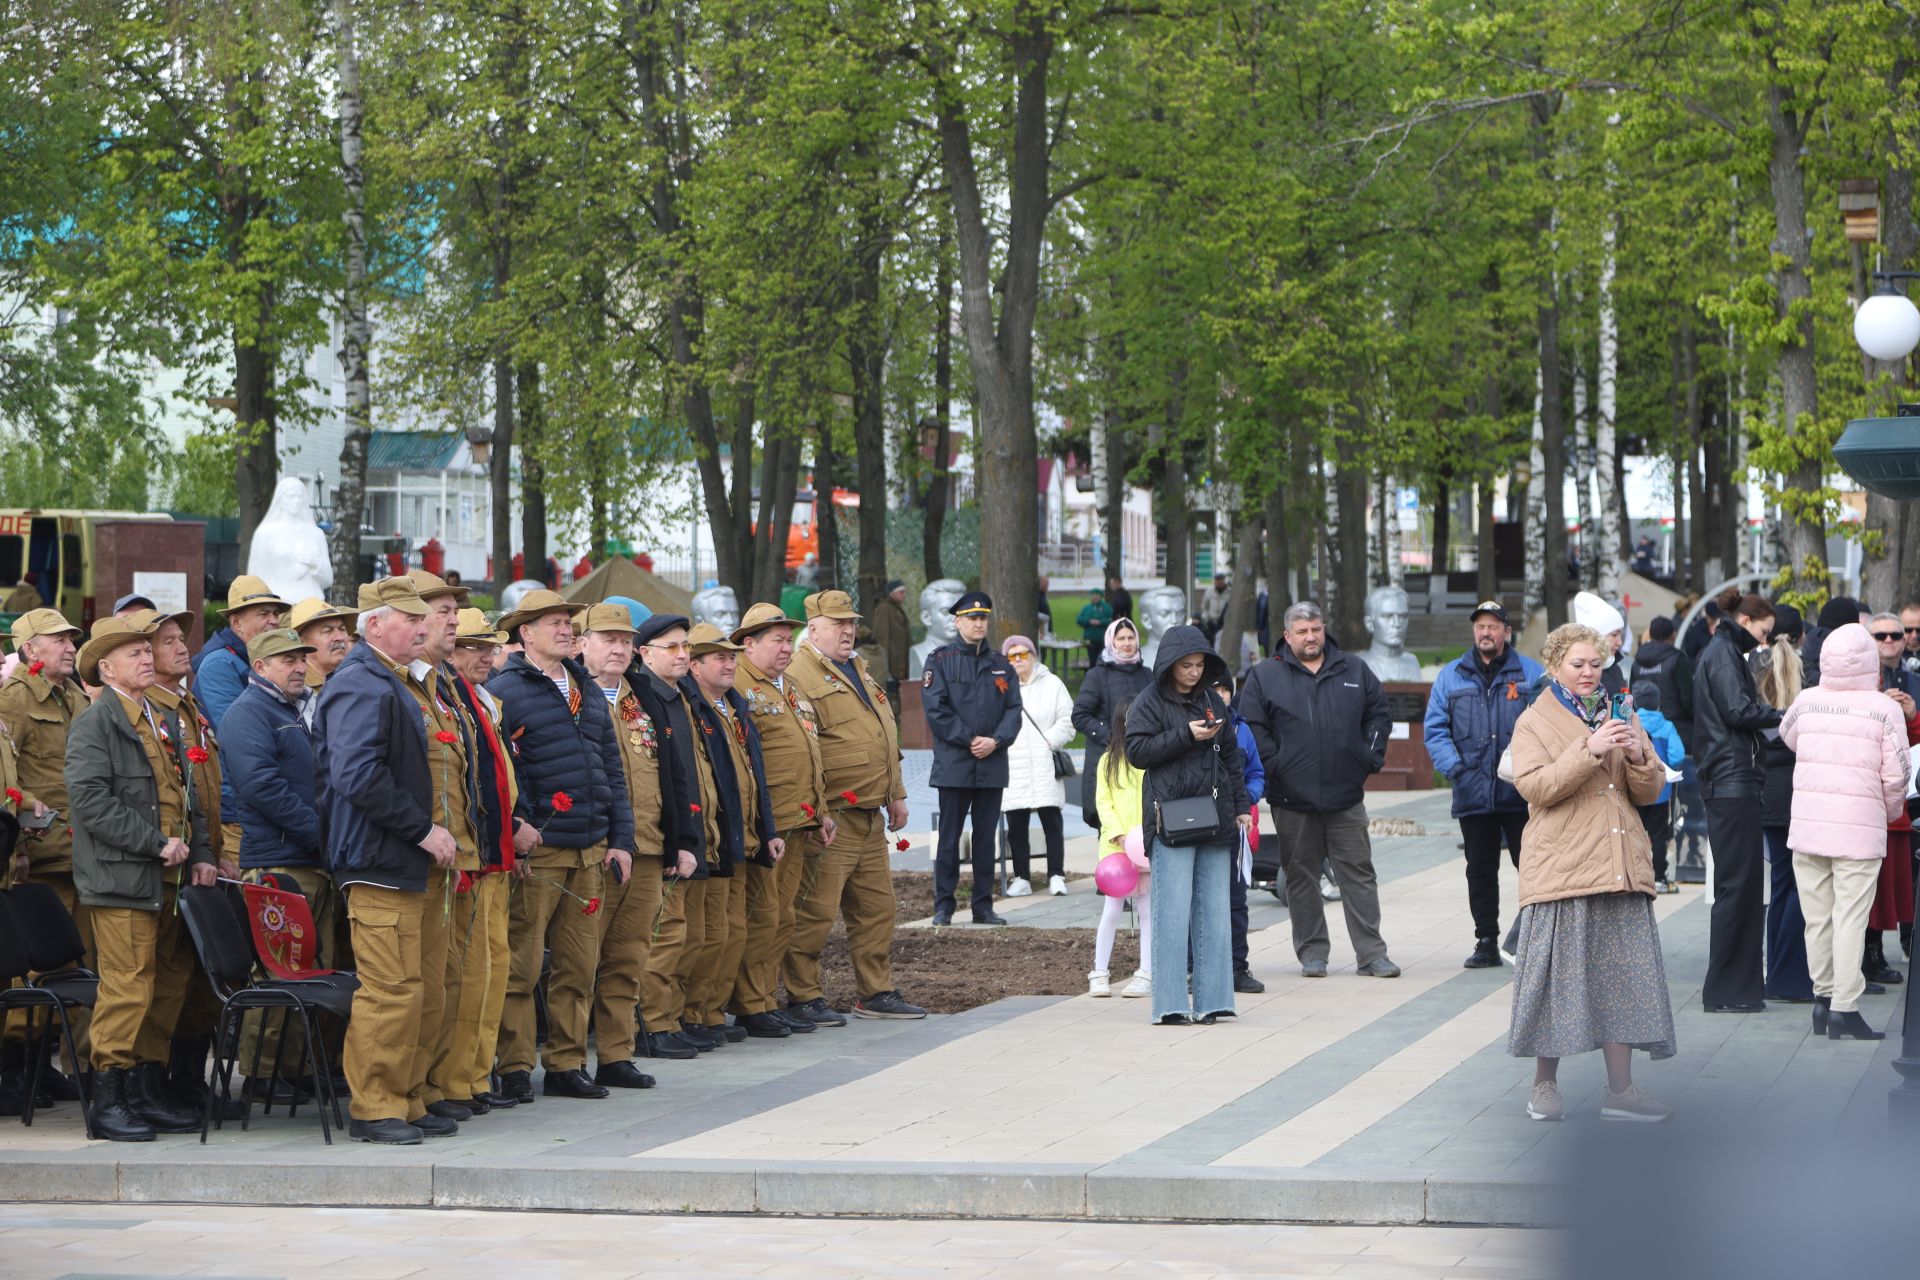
{"x":1787,"y":977}
{"x":1189,"y":888}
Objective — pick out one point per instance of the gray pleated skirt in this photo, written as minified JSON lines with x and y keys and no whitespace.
{"x":1589,"y":972}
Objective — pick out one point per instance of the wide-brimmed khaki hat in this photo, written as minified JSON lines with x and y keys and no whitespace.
{"x":607,"y":617}
{"x":42,"y":622}
{"x":707,"y":638}
{"x":473,"y":628}
{"x":247,"y":591}
{"x":432,"y":586}
{"x":271,"y":644}
{"x":831,"y":604}
{"x":759,"y":618}
{"x":393,"y":593}
{"x":152,"y":618}
{"x":535,"y":603}
{"x":313,"y":609}
{"x":108,"y":634}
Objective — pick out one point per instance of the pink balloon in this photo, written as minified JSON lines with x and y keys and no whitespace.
{"x":1135,"y":847}
{"x":1116,"y":876}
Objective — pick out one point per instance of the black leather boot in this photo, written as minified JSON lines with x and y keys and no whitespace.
{"x":1873,"y":963}
{"x":1822,"y":1009}
{"x":13,"y":1077}
{"x":113,"y":1117}
{"x":147,"y":1098}
{"x":186,"y":1087}
{"x":54,"y":1083}
{"x":1848,"y":1025}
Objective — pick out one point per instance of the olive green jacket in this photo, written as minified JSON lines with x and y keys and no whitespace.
{"x":116,"y":809}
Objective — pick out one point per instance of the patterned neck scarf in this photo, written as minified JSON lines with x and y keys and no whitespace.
{"x":1591,"y":708}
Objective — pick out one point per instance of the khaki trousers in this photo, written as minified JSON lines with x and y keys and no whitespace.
{"x":385,"y":1027}
{"x":495,"y":890}
{"x":61,"y":882}
{"x":230,"y":833}
{"x":705,"y":933}
{"x":626,"y":934}
{"x":469,"y":969}
{"x":770,"y":895}
{"x":852,"y":878}
{"x":145,"y":965}
{"x":436,"y":921}
{"x":663,"y":995}
{"x":183,"y":1000}
{"x":543,"y":918}
{"x":281,"y":1055}
{"x":726,"y":911}
{"x":1836,"y":895}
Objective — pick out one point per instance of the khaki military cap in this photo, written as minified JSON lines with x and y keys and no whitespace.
{"x":473,"y":628}
{"x":831,"y":604}
{"x":706,"y":638}
{"x":393,"y":593}
{"x":535,"y":603}
{"x":42,"y":622}
{"x":270,"y":644}
{"x":247,"y":591}
{"x":108,"y":634}
{"x":759,"y":618}
{"x":432,"y":586}
{"x":607,"y":617}
{"x":313,"y":609}
{"x":152,"y":618}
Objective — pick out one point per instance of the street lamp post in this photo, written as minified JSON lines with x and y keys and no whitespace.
{"x":1883,"y":454}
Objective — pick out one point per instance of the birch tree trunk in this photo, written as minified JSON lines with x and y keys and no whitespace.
{"x":350,"y":491}
{"x":1583,"y":456}
{"x":1393,"y":540}
{"x":1611,"y":545}
{"x":1536,"y":539}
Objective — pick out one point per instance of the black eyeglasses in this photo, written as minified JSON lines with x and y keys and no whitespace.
{"x":1888,"y":635}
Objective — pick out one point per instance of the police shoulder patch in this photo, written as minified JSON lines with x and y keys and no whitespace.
{"x":926,"y":678}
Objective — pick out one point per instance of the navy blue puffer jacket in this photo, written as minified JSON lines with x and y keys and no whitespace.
{"x":557,"y":747}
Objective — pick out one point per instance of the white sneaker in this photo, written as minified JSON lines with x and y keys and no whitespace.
{"x":1019,"y":889}
{"x":1057,"y":886}
{"x":1634,"y":1105}
{"x":1544,"y":1102}
{"x":1329,"y":891}
{"x":1097,"y":985}
{"x":1142,"y":985}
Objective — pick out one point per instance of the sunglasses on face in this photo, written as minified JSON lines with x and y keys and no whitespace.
{"x":1913,"y":631}
{"x":1887,"y":636}
{"x":1020,"y":655}
{"x":682,"y":647}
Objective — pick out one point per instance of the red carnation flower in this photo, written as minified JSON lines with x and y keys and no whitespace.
{"x":901,"y":844}
{"x":14,"y":796}
{"x":35,"y":668}
{"x":198,"y":755}
{"x":592,"y":908}
{"x":807,"y":809}
{"x":562,"y":802}
{"x":849,"y":797}
{"x":465,"y":883}
{"x":693,"y":808}
{"x":446,"y":737}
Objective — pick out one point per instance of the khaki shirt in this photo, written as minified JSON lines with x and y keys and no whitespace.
{"x":452,"y":770}
{"x":789,"y":747}
{"x":639,"y":743}
{"x":859,"y":745}
{"x":167,"y":782}
{"x":37,"y":714}
{"x":206,"y":775}
{"x":709,"y":787}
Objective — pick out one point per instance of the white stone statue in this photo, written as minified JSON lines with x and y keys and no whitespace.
{"x":1387,"y":624}
{"x":1161,"y":609}
{"x":934,"y":603}
{"x":288,"y":550}
{"x":718,"y":605}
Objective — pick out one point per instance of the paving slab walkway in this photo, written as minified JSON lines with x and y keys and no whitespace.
{"x":1345,"y":1099}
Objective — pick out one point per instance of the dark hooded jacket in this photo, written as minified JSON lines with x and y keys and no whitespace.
{"x":1160,"y":743}
{"x":1672,"y":673}
{"x":727,"y":781}
{"x":680,"y":823}
{"x":1321,"y":734}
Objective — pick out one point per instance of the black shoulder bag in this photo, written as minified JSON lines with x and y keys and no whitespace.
{"x":1194,"y":819}
{"x":1063,"y":766}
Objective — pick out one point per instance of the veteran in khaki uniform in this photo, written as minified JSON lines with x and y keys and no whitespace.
{"x":384,"y":839}
{"x":37,"y":707}
{"x":329,"y":629}
{"x":797,"y":793}
{"x":630,"y":907}
{"x":860,"y":757}
{"x":139,"y":833}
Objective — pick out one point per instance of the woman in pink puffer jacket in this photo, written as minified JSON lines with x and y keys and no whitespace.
{"x":1849,"y":781}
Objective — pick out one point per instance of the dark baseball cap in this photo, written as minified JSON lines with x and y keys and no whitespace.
{"x":133,"y":598}
{"x":1490,"y":609}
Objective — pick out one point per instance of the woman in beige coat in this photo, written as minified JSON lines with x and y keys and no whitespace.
{"x":1589,"y":973}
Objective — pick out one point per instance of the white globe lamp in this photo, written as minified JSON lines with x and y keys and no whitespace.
{"x":1887,"y":326}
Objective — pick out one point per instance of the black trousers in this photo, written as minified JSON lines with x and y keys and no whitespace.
{"x":1739,"y":923}
{"x":1483,"y":834}
{"x":1051,"y":831}
{"x":1658,"y":820}
{"x":1237,"y":913}
{"x":956,"y":805}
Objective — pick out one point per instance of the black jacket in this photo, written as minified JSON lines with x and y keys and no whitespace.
{"x":376,"y":778}
{"x":727,"y":782}
{"x":970,"y":691}
{"x":1104,"y":688}
{"x":679,"y":775}
{"x":1776,"y":758}
{"x":560,"y":747}
{"x":1321,"y":734}
{"x":1672,"y":673}
{"x":1160,"y":743}
{"x":1728,"y":715}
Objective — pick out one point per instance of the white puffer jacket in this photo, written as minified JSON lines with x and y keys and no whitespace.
{"x":1030,"y":780}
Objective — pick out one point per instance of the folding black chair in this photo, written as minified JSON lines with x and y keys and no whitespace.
{"x":343,"y":979}
{"x":226,"y":953}
{"x":38,"y":937}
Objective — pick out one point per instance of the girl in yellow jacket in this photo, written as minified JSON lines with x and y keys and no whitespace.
{"x":1119,"y":797}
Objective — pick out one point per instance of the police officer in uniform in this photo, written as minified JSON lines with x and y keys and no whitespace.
{"x":797,"y":798}
{"x":860,"y":759}
{"x":972,"y":699}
